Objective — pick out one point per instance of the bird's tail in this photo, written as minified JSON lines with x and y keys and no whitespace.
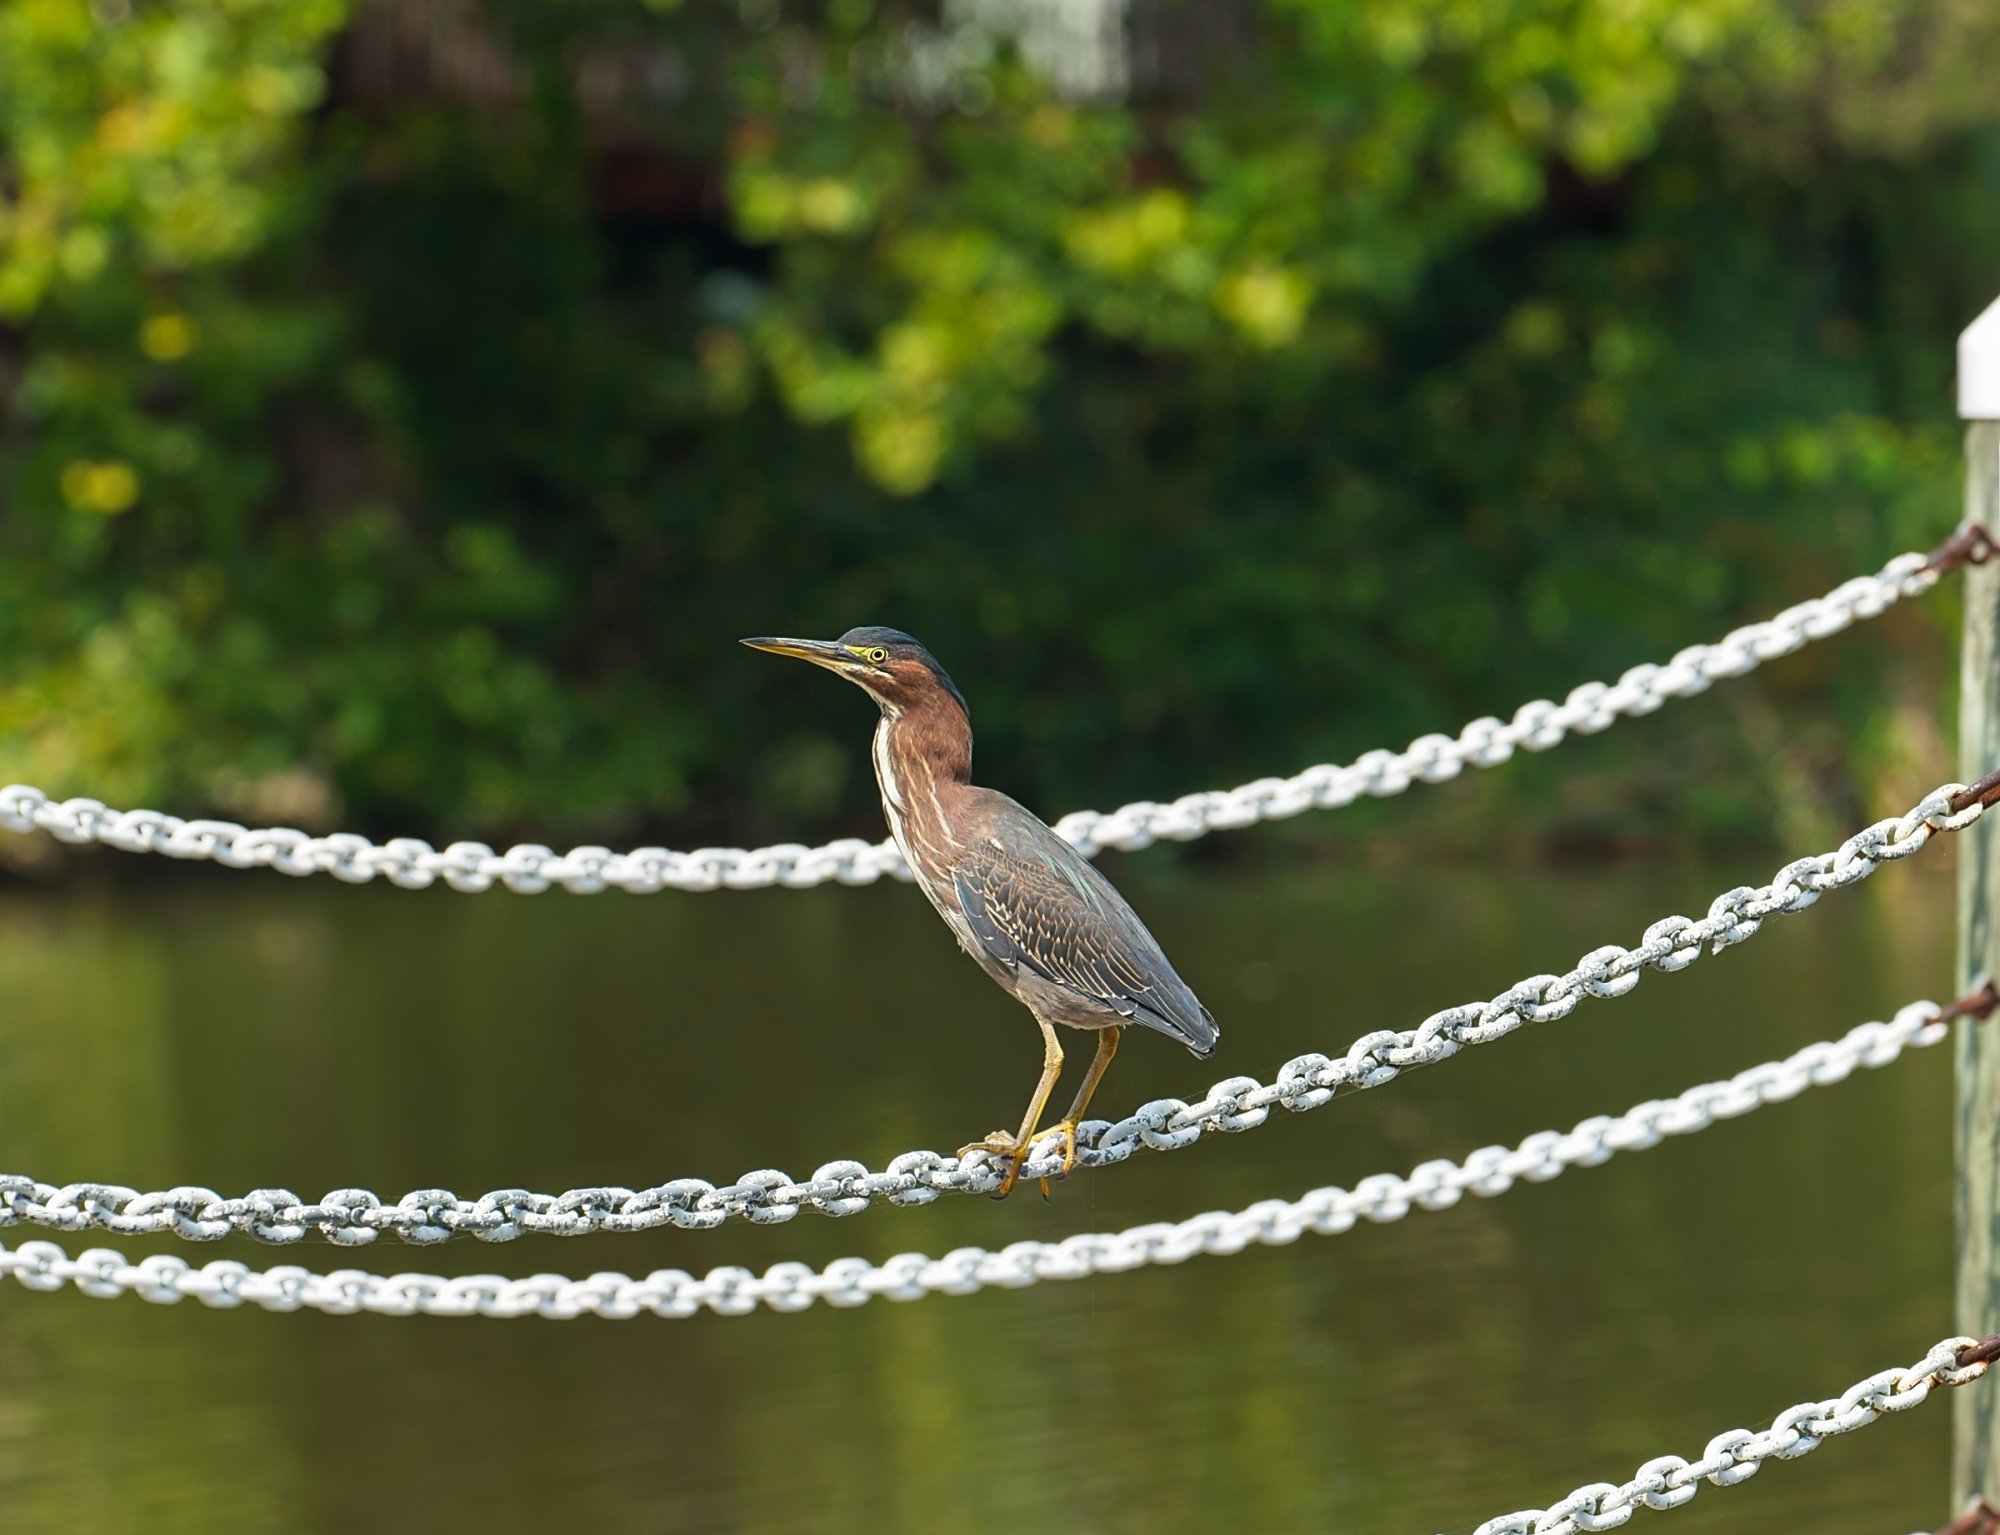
{"x":1193,"y":1026}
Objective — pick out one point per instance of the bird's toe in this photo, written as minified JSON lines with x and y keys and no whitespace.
{"x":1065,"y":1133}
{"x":1002,"y":1145}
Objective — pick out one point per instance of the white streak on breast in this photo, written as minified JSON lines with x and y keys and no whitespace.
{"x":885,"y":767}
{"x":892,"y":796}
{"x":937,"y":805}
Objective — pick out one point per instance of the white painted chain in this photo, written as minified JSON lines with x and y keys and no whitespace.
{"x":785,"y":1287}
{"x":530,"y":868}
{"x":354,"y":1217}
{"x":1738,"y":1454}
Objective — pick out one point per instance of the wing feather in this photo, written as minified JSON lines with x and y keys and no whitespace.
{"x":1031,"y":899}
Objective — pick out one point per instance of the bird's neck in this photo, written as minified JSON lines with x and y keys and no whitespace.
{"x":922,"y":757}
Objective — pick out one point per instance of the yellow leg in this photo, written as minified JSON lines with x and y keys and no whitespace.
{"x":1015,"y":1147}
{"x":1107,"y":1046}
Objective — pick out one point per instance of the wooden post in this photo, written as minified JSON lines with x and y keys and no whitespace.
{"x":1976,"y":1426}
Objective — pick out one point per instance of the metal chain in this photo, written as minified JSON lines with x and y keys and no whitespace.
{"x":1737,"y":1455}
{"x":848,"y":1282}
{"x":355,"y":1216}
{"x":531,"y":868}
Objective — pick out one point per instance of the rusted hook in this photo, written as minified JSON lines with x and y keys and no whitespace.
{"x":1977,"y":1003}
{"x":1984,"y":792}
{"x":1971,"y":544}
{"x":1979,"y":1518}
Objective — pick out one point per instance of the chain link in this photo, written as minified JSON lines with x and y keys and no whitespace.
{"x":355,"y":1216}
{"x":1382,"y":1199}
{"x":531,"y":868}
{"x":1737,"y":1455}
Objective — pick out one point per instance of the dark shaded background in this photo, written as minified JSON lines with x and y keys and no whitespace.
{"x":405,"y":407}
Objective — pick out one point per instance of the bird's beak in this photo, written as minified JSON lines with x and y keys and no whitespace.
{"x":819,"y":652}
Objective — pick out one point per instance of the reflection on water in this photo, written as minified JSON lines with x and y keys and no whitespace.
{"x":237,"y":1031}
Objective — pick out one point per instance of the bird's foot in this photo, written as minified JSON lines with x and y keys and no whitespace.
{"x":1066,"y":1131}
{"x":1003,"y":1145}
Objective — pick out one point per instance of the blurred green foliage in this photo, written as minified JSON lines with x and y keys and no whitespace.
{"x":405,"y":408}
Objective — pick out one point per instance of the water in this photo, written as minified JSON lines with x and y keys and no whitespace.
{"x":240,"y":1030}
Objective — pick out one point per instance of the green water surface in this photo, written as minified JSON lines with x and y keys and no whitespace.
{"x":239,"y":1030}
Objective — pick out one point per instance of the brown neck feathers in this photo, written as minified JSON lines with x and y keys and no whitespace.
{"x":932,"y":741}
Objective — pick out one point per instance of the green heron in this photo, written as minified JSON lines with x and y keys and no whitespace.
{"x":1024,"y":903}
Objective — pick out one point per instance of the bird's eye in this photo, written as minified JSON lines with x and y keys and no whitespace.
{"x":876,"y":655}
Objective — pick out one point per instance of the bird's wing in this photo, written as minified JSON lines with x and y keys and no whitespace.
{"x":1032,"y":899}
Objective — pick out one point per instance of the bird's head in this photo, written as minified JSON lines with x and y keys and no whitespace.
{"x":897,"y":672}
